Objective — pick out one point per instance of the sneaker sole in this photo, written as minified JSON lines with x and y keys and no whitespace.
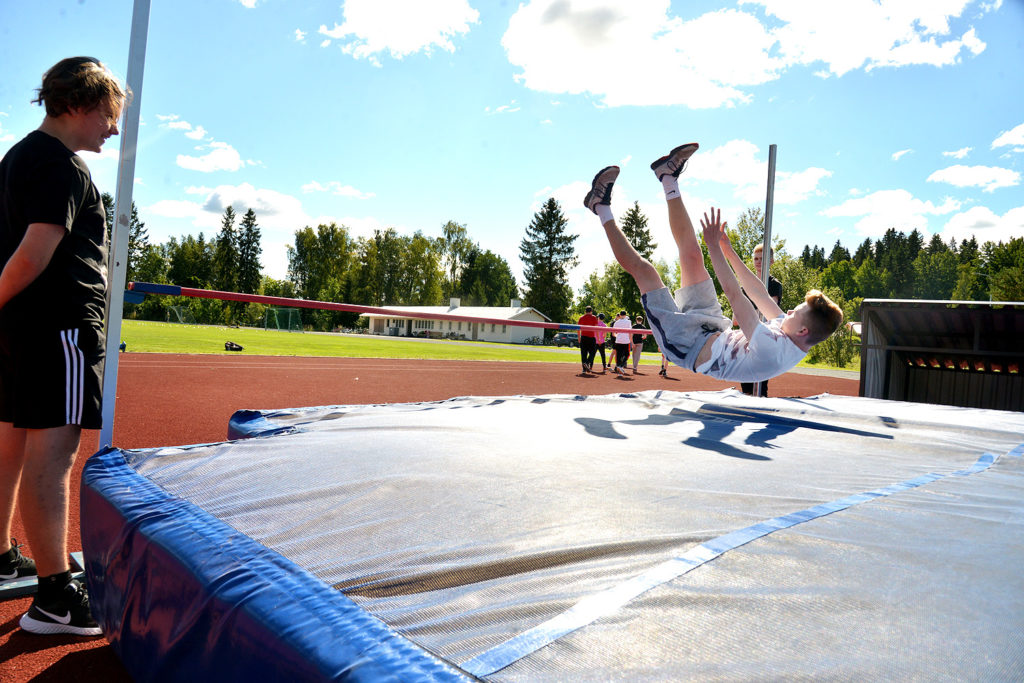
{"x":45,"y":628}
{"x":613,"y":171}
{"x":685,"y":151}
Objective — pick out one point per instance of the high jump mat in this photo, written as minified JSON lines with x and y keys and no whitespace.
{"x":650,"y":536}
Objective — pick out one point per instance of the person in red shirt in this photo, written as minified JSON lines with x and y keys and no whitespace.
{"x":588,"y":340}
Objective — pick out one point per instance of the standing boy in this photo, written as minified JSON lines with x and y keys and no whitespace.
{"x":690,"y":328}
{"x":52,"y":301}
{"x":588,"y":340}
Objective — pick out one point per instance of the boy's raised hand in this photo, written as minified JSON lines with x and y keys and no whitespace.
{"x":714,"y":228}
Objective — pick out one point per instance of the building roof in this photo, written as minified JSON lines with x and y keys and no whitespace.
{"x":500,"y":312}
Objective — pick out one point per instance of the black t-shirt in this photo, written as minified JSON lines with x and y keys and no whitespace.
{"x":42,"y":181}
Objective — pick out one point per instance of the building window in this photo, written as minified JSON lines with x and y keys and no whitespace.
{"x":503,"y":328}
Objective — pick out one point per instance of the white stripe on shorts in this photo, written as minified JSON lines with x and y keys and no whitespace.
{"x":74,"y":377}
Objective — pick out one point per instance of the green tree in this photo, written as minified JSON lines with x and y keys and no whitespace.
{"x":797,"y":279}
{"x":487,"y":280}
{"x":864,"y":253}
{"x":548,"y":253}
{"x":319,"y":261}
{"x":872,"y":281}
{"x":839,"y":253}
{"x":455,"y":249}
{"x":935,"y":273}
{"x":1005,"y":266}
{"x":842,"y":276}
{"x":249,"y":250}
{"x":190,"y":262}
{"x":138,"y":236}
{"x":634,"y":227}
{"x":421,"y":278}
{"x":225,"y":255}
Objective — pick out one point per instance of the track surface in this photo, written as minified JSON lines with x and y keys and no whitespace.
{"x":168,"y":399}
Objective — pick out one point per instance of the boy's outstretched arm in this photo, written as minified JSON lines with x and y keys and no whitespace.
{"x":750,"y":282}
{"x":742,"y":310}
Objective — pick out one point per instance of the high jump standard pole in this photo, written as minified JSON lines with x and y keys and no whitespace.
{"x":117,"y":259}
{"x":769,"y":206}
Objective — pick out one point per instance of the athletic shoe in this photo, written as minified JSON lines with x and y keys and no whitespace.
{"x":601,"y":188}
{"x":14,"y":565}
{"x":68,"y":614}
{"x":675,"y":161}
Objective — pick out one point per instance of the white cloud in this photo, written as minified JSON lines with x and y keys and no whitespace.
{"x":300,"y":36}
{"x":989,"y":178}
{"x":886,"y":209}
{"x":958,"y":154}
{"x":336,"y":188}
{"x":503,"y":109}
{"x":900,"y":154}
{"x":646,"y":57}
{"x":713,"y":59}
{"x":985,"y":225}
{"x":1013,"y":137}
{"x":222,"y":157}
{"x":424,"y":26}
{"x":854,"y":34}
{"x":197,"y":134}
{"x":247,"y":3}
{"x":739,"y":163}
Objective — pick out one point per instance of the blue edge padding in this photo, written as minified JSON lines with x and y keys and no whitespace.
{"x":182,"y":596}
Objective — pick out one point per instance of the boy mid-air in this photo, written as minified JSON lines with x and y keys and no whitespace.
{"x":690,"y":327}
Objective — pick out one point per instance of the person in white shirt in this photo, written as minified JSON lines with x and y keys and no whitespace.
{"x":689,"y":327}
{"x":622,"y":341}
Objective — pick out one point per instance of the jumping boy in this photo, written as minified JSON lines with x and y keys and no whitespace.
{"x":690,"y":328}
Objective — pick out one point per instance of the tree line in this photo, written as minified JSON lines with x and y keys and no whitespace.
{"x":329,"y":263}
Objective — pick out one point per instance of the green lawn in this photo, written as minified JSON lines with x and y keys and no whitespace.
{"x":156,"y":337}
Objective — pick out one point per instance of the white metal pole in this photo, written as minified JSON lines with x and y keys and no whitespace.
{"x":117,"y":259}
{"x":766,"y":254}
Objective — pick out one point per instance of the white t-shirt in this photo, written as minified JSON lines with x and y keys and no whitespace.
{"x":769,"y":353}
{"x":622,"y":337}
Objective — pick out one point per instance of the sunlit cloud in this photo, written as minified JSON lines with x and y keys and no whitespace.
{"x":988,"y":178}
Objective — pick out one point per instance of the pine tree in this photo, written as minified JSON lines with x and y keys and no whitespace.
{"x":548,"y":253}
{"x":225,"y":255}
{"x":634,"y":227}
{"x":249,"y":250}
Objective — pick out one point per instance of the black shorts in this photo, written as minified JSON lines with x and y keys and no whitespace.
{"x":51,"y":378}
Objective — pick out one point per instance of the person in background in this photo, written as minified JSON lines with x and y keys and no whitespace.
{"x":602,"y":339}
{"x":622,"y":342}
{"x":53,"y":290}
{"x":588,"y":339}
{"x":637,"y":347}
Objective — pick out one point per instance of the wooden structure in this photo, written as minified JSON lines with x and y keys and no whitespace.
{"x":960,"y":353}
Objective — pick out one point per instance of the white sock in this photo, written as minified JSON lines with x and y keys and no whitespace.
{"x":671,"y":185}
{"x":604,"y":212}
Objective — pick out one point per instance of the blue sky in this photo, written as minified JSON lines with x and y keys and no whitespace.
{"x":410,"y":113}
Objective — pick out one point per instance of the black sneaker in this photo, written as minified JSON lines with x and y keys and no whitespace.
{"x":675,"y":161}
{"x":14,"y":565}
{"x":601,"y":188}
{"x":69,"y":614}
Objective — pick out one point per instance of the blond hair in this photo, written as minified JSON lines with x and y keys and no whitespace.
{"x":823,"y":316}
{"x":79,"y":83}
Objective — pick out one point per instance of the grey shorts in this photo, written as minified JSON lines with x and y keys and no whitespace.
{"x":681,"y":325}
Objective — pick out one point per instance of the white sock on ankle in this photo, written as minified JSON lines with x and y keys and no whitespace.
{"x":671,"y":185}
{"x":604,"y":212}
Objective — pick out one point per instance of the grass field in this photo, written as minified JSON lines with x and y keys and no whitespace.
{"x":158,"y":337}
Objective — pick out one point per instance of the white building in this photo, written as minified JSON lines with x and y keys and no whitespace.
{"x":404,"y":326}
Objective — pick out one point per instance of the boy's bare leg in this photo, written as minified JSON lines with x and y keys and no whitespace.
{"x":598,"y":200}
{"x":45,"y":493}
{"x":691,"y":259}
{"x":12,"y":458}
